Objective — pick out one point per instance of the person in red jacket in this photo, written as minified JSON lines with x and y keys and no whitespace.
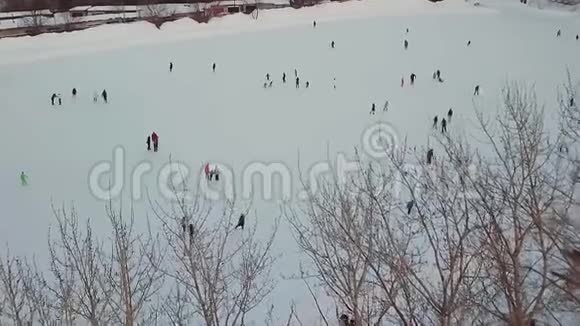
{"x":155,"y":140}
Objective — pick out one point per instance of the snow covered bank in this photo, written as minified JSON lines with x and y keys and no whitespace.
{"x":110,"y":37}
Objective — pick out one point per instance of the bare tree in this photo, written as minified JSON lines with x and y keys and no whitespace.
{"x":13,"y":291}
{"x":80,"y":285}
{"x":452,"y":247}
{"x":133,"y":268}
{"x":570,"y":109}
{"x":522,"y":193}
{"x":223,"y":272}
{"x":332,"y":237}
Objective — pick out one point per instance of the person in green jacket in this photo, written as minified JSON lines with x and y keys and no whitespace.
{"x":23,"y":179}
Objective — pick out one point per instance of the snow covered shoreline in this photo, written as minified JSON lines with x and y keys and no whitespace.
{"x":117,"y":36}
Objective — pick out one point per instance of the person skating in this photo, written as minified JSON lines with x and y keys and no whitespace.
{"x":105,"y":96}
{"x":334,"y":83}
{"x":559,"y":33}
{"x":430,"y":156}
{"x":469,"y":43}
{"x":241,"y":222}
{"x":284,"y":78}
{"x":155,"y":140}
{"x":314,"y":24}
{"x":438,"y":73}
{"x":443,"y":126}
{"x":74,"y":92}
{"x":295,"y":73}
{"x":386,"y":106}
{"x":59,"y":99}
{"x":265,"y":84}
{"x":572,"y":103}
{"x":52,"y":98}
{"x":449,"y":114}
{"x":373,"y":109}
{"x":207,"y":171}
{"x":297,"y":82}
{"x":576,"y":37}
{"x":171,"y":67}
{"x":148,"y":143}
{"x":476,"y":90}
{"x":270,"y":84}
{"x":435,"y":121}
{"x":332,"y":44}
{"x":307,"y":84}
{"x":407,"y":31}
{"x":190,"y":232}
{"x":434,"y":75}
{"x":406,"y":43}
{"x":410,"y":205}
{"x":268,"y":77}
{"x":402,"y":82}
{"x":23,"y":179}
{"x":216,"y":173}
{"x":413,"y":77}
{"x":213,"y":67}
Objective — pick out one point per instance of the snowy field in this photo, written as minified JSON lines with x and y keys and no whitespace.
{"x":227,"y":117}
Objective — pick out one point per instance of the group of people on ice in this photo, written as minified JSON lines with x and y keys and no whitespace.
{"x":154,"y":138}
{"x":269,"y":82}
{"x":57,"y":98}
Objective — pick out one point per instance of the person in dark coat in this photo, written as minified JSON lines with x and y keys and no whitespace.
{"x":170,"y":66}
{"x":213,"y":67}
{"x":105,"y":95}
{"x":406,"y":43}
{"x":413,"y":77}
{"x":476,"y":91}
{"x":74,"y":92}
{"x":435,"y":121}
{"x":314,"y":24}
{"x":296,"y":73}
{"x":430,"y":156}
{"x":155,"y":140}
{"x":332,"y":44}
{"x":373,"y":109}
{"x":559,"y":33}
{"x":148,"y":143}
{"x":438,"y":73}
{"x":284,"y":78}
{"x":241,"y":222}
{"x":443,"y":126}
{"x":410,"y":205}
{"x":307,"y":84}
{"x":59,"y":100}
{"x":52,"y":98}
{"x":268,"y":77}
{"x":469,"y":43}
{"x":449,"y":114}
{"x":576,"y":37}
{"x":297,"y":82}
{"x":190,"y":231}
{"x":271,"y":83}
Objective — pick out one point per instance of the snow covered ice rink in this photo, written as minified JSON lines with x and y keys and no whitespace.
{"x":228,"y":117}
